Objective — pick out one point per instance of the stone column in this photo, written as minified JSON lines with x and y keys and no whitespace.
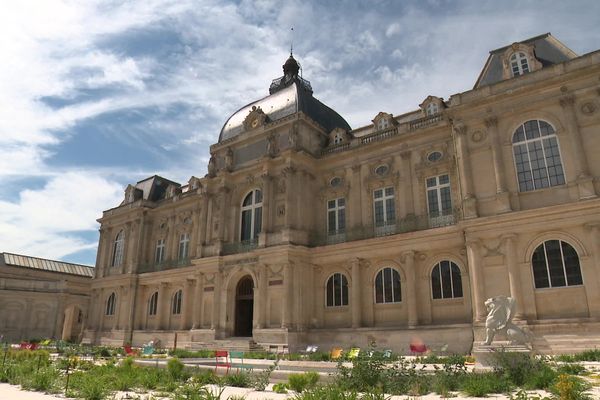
{"x":263,"y":288}
{"x":101,"y":301}
{"x":408,"y":260}
{"x":590,"y":270}
{"x":164,"y":303}
{"x":267,"y":208}
{"x":172,"y":240}
{"x":407,"y":177}
{"x":514,"y":276}
{"x":107,"y":259}
{"x":469,"y":201}
{"x":502,"y":195}
{"x":356,"y":293}
{"x":202,"y":223}
{"x":580,"y":163}
{"x":289,"y":173}
{"x":99,"y":270}
{"x":476,"y":277}
{"x":216,"y":302}
{"x":128,"y":247}
{"x":286,"y":318}
{"x":188,"y":305}
{"x":198,"y":302}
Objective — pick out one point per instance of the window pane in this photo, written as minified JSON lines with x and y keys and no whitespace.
{"x":546,"y":128}
{"x":456,"y":281}
{"x":378,"y":213}
{"x":431,"y":182}
{"x":257,"y":196}
{"x":444,"y":179}
{"x":330,"y":292}
{"x":247,"y":200}
{"x":446,"y":280}
{"x":389,"y":191}
{"x":331,"y":226}
{"x":540,"y":273}
{"x":446,"y":200}
{"x":331,"y":204}
{"x":436,"y":283}
{"x":344,"y":291}
{"x":378,"y":194}
{"x":519,"y":135}
{"x":432,"y":202}
{"x":341,"y":202}
{"x":396,"y":286}
{"x":246,"y":224}
{"x":557,"y":274}
{"x":387,"y":283}
{"x":571,"y":264}
{"x":257,"y":221}
{"x":379,"y":287}
{"x":337,"y":290}
{"x":342,"y":219}
{"x":531,"y":129}
{"x":390,"y":210}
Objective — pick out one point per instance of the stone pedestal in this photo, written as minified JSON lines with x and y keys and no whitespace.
{"x":485,"y":354}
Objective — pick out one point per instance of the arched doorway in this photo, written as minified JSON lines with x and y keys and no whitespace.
{"x":244,"y":306}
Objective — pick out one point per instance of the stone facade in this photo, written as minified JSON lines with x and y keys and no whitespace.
{"x":42,"y":298}
{"x":306,"y":232}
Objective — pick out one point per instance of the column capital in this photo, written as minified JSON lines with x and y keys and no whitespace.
{"x":508,"y":236}
{"x":459,"y":128}
{"x":407,"y":256}
{"x":567,"y":101}
{"x":491,"y":122}
{"x":473,"y":243}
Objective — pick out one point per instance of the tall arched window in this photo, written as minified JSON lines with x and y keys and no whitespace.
{"x":176,"y":306}
{"x":387,"y":286}
{"x":153,"y":304}
{"x":519,"y":64}
{"x":537,"y":156}
{"x":446,"y":282}
{"x":117,"y":258}
{"x":337,"y":290}
{"x":555,"y":263}
{"x":110,"y":304}
{"x":251,"y":215}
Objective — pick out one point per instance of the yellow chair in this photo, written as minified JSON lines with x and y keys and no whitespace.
{"x":353,"y":353}
{"x":336,"y":353}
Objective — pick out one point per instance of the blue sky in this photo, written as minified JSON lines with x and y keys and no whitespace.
{"x":98,"y":94}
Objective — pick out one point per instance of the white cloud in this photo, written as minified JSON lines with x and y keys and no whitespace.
{"x":46,"y":222}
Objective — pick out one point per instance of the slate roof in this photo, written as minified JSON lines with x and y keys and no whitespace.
{"x":16,"y":260}
{"x":154,"y":187}
{"x":548,"y":50}
{"x":289,"y":94}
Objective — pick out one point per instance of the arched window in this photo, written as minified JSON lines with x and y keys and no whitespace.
{"x":153,"y":304}
{"x":176,"y":306}
{"x":110,"y":304}
{"x":251,"y":215}
{"x":337,"y":290}
{"x":519,"y":64}
{"x":117,"y":258}
{"x":387,"y":286}
{"x":446,"y":282}
{"x":555,"y":264}
{"x":537,"y":156}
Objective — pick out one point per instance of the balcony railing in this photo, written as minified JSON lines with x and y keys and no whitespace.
{"x":404,"y":225}
{"x":425,"y":121}
{"x":239,"y":247}
{"x":164,"y":265}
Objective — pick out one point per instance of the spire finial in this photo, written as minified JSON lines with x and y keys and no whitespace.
{"x":292,"y":42}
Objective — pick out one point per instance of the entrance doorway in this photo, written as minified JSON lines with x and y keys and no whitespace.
{"x":244,"y":306}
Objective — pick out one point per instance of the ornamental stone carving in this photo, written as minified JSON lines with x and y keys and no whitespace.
{"x":255,"y":118}
{"x":501,"y":310}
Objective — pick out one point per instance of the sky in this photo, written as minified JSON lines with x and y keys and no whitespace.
{"x":95,"y":95}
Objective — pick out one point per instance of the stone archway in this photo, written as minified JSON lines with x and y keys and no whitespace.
{"x":72,"y":323}
{"x":244,"y":307}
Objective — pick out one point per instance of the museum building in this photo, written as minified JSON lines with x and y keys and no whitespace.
{"x":306,"y":231}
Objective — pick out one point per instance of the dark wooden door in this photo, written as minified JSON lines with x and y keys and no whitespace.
{"x":244,"y":307}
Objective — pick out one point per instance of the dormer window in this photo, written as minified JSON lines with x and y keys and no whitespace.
{"x":519,"y":64}
{"x":432,"y":109}
{"x":337,"y":139}
{"x":383,"y":124}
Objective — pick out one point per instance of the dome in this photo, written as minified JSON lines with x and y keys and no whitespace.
{"x":289,"y":94}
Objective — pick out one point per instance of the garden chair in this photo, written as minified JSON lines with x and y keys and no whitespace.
{"x":353,"y":353}
{"x":336,"y":353}
{"x":129,"y":351}
{"x":148,"y":350}
{"x":387,"y":353}
{"x":222,"y":359}
{"x":310,"y":349}
{"x":418,"y":349}
{"x":240,"y":356}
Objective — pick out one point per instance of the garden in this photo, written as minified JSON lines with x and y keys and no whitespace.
{"x":96,"y":373}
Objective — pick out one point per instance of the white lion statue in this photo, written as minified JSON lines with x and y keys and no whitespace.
{"x":501,"y":310}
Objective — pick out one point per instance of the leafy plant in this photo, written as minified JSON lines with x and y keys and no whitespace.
{"x":482,"y":384}
{"x":570,"y":387}
{"x":260,"y":380}
{"x":241,"y":379}
{"x":280,"y":388}
{"x":300,"y":382}
{"x":175,"y":368}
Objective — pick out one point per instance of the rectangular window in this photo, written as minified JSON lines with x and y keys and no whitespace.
{"x":184,"y":242}
{"x":336,"y":216}
{"x":384,"y":210}
{"x":159,"y":255}
{"x":439,"y":200}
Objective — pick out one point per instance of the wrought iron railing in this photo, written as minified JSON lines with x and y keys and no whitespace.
{"x":163,"y":265}
{"x":239,"y":247}
{"x":408,"y":224}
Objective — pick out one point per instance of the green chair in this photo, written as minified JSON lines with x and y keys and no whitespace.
{"x":239,"y":355}
{"x":148,"y":350}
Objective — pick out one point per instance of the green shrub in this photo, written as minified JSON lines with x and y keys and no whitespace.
{"x":588,"y":355}
{"x":280,"y":388}
{"x":175,"y":368}
{"x":88,"y":386}
{"x":300,"y":382}
{"x":319,"y":356}
{"x":482,"y":384}
{"x":260,"y":380}
{"x":151,"y":378}
{"x":518,"y":368}
{"x":570,"y":387}
{"x":571,"y":369}
{"x":327,"y":393}
{"x":44,"y":380}
{"x":181,"y":353}
{"x":241,"y":379}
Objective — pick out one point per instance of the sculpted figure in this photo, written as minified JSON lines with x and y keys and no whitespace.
{"x":229,"y":159}
{"x":501,"y":310}
{"x":212,"y":166}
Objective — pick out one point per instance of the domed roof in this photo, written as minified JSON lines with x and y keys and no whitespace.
{"x":289,"y":94}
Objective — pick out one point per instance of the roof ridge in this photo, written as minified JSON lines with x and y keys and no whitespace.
{"x":544,"y":35}
{"x":47,"y":259}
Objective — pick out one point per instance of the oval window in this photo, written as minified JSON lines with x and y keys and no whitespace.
{"x":337,"y":181}
{"x":382,"y":170}
{"x":434,"y":156}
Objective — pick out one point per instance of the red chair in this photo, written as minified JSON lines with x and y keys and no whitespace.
{"x":418,"y":349}
{"x":129,"y":351}
{"x":222,"y":360}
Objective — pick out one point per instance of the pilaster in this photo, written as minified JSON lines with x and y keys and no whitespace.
{"x":502,"y":196}
{"x":514,"y":278}
{"x":408,"y":261}
{"x":469,"y":201}
{"x":477,"y":279}
{"x":356,"y":293}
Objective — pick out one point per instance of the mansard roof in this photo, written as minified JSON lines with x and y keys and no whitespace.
{"x":154,"y":188}
{"x":16,"y":260}
{"x":289,"y":94}
{"x":548,"y":51}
